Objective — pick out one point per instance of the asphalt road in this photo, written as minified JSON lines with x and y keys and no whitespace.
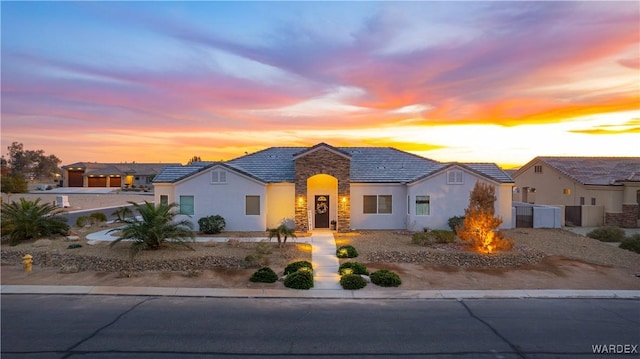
{"x":59,"y":326}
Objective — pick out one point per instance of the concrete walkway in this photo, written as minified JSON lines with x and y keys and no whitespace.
{"x":324,"y":260}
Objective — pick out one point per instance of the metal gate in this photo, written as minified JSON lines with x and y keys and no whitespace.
{"x":524,"y":217}
{"x":573,"y":215}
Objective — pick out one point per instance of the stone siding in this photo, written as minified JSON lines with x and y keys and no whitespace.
{"x":628,"y":218}
{"x":326,"y":162}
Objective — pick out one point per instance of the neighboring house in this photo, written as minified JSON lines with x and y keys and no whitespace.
{"x":123,"y":175}
{"x":593,"y":190}
{"x":357,"y":187}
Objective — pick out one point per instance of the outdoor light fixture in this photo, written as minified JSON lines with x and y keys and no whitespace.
{"x":300,"y":201}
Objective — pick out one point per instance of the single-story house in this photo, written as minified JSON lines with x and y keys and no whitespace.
{"x":123,"y":175}
{"x":593,"y":190}
{"x":322,"y":185}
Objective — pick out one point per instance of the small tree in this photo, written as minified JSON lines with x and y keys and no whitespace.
{"x":29,"y":219}
{"x":156,"y":227}
{"x":14,"y":183}
{"x":480,"y":225}
{"x":282,"y":232}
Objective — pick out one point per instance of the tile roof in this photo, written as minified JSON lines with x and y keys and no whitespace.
{"x":368,"y":165}
{"x":595,"y":170}
{"x":120,"y":168}
{"x":488,"y":170}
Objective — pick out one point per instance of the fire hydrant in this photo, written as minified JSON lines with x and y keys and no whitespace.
{"x":27,"y":262}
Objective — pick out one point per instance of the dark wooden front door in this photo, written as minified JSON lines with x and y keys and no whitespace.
{"x":322,"y":212}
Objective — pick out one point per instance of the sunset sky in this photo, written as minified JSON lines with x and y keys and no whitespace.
{"x":452,"y":81}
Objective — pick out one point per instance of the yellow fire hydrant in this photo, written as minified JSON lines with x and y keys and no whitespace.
{"x":27,"y":262}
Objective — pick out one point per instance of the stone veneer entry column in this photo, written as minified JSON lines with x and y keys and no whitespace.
{"x":323,"y":159}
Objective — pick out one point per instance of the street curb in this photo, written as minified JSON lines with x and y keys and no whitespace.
{"x":320,"y":293}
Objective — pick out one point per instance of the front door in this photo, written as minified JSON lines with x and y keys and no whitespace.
{"x":322,"y":212}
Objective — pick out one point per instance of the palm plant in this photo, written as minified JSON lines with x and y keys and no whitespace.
{"x":281,"y":232}
{"x":155,"y":227}
{"x":30,"y":219}
{"x":122,"y":213}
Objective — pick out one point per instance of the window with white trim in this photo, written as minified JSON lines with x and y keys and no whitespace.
{"x":377,"y":204}
{"x":423,"y":205}
{"x":219,"y":177}
{"x":455,"y":177}
{"x":187,"y":205}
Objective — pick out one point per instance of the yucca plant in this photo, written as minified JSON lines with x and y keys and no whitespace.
{"x":30,"y":219}
{"x":155,"y":226}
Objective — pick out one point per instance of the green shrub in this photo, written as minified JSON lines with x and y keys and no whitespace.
{"x":82,"y":221}
{"x":302,"y":279}
{"x":74,"y":246}
{"x":14,"y":183}
{"x":352,"y":282}
{"x":264,"y":275}
{"x":353,"y":268}
{"x":256,"y":261}
{"x":347,"y":251}
{"x":212,"y":224}
{"x":631,"y":243}
{"x":385,"y":278}
{"x":295,"y":266}
{"x":455,"y":222}
{"x":434,"y":236}
{"x":607,"y":234}
{"x":98,"y":217}
{"x":264,"y":248}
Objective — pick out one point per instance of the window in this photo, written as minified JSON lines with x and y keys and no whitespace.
{"x":164,"y":199}
{"x":582,"y":201}
{"x":423,"y":205}
{"x":593,"y":201}
{"x":454,"y":177}
{"x":252,"y":205}
{"x":537,"y":168}
{"x":218,"y":177}
{"x":566,"y":191}
{"x":382,"y":204}
{"x":408,"y":204}
{"x":186,"y":205}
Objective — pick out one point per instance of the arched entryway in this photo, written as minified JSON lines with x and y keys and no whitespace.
{"x":322,"y":189}
{"x":322,"y":171}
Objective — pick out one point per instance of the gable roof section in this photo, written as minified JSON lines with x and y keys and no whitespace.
{"x":592,"y":170}
{"x":321,"y":146}
{"x":171,"y":174}
{"x":488,"y":170}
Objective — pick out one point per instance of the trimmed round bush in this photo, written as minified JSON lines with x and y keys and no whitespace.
{"x":82,"y":221}
{"x":352,"y":282}
{"x":607,"y":234}
{"x":353,"y":268}
{"x":455,"y":222}
{"x":295,"y":266}
{"x":385,"y":278}
{"x":631,"y":243}
{"x":98,"y":217}
{"x":347,"y":251}
{"x":264,"y":275}
{"x":302,"y":279}
{"x":212,"y":224}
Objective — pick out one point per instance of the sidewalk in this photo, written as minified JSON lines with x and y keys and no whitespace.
{"x":382,"y":293}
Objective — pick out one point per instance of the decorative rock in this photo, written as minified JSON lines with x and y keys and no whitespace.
{"x":72,"y":238}
{"x":42,"y":243}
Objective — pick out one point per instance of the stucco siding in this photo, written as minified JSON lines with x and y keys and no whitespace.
{"x":280,"y":202}
{"x":395,"y":220}
{"x":225,"y":199}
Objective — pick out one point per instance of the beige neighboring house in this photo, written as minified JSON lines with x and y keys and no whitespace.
{"x":594,"y":191}
{"x":121,"y":175}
